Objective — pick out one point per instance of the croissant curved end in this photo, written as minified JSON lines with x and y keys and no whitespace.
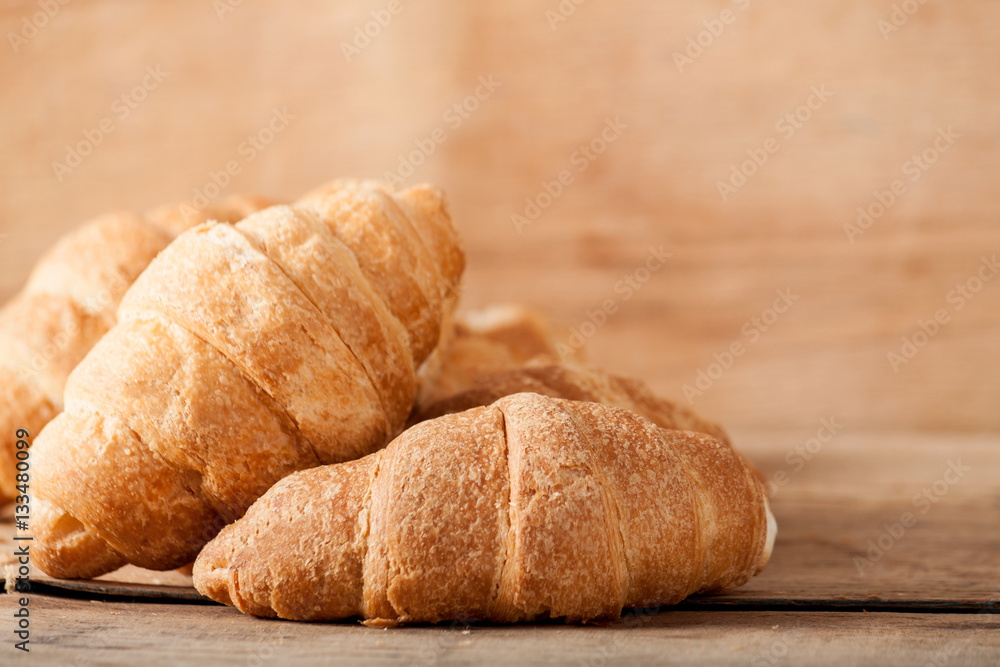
{"x":66,"y":548}
{"x":213,"y":577}
{"x":213,"y":582}
{"x":772,"y":533}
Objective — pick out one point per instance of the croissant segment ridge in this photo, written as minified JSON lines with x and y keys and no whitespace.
{"x":529,"y":508}
{"x":70,"y":301}
{"x":243,"y":353}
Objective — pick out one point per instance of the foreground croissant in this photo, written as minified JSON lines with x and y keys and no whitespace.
{"x":532,"y":507}
{"x":70,"y":301}
{"x":243,"y":353}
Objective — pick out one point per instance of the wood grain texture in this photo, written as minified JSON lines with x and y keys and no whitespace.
{"x":834,"y":502}
{"x":109,"y":633}
{"x":655,"y":184}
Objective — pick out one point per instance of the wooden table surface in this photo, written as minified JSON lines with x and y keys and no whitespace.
{"x":930,"y":590}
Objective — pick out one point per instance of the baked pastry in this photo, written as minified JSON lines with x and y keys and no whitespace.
{"x":243,"y":353}
{"x":478,"y":344}
{"x":576,"y":383}
{"x":70,"y":301}
{"x":530,"y":508}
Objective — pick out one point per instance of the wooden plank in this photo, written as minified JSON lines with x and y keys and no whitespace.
{"x":834,"y":501}
{"x":657,"y":183}
{"x":148,"y":634}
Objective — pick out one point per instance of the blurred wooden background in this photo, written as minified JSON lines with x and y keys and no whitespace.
{"x":560,"y":81}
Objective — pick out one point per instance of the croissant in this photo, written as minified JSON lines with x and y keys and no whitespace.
{"x":529,"y":508}
{"x":70,"y":301}
{"x":243,"y":353}
{"x":478,"y":344}
{"x":574,"y":382}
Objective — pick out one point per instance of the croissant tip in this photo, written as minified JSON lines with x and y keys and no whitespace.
{"x":212,"y":582}
{"x":772,"y":534}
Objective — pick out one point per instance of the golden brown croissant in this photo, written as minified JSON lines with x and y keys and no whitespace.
{"x":70,"y":301}
{"x":576,"y":383}
{"x":478,"y":344}
{"x":243,"y":353}
{"x":532,"y":507}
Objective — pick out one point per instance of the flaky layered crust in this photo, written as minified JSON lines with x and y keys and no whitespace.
{"x":529,"y":508}
{"x":576,"y":383}
{"x":479,"y":344}
{"x":243,"y":353}
{"x":70,"y":301}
